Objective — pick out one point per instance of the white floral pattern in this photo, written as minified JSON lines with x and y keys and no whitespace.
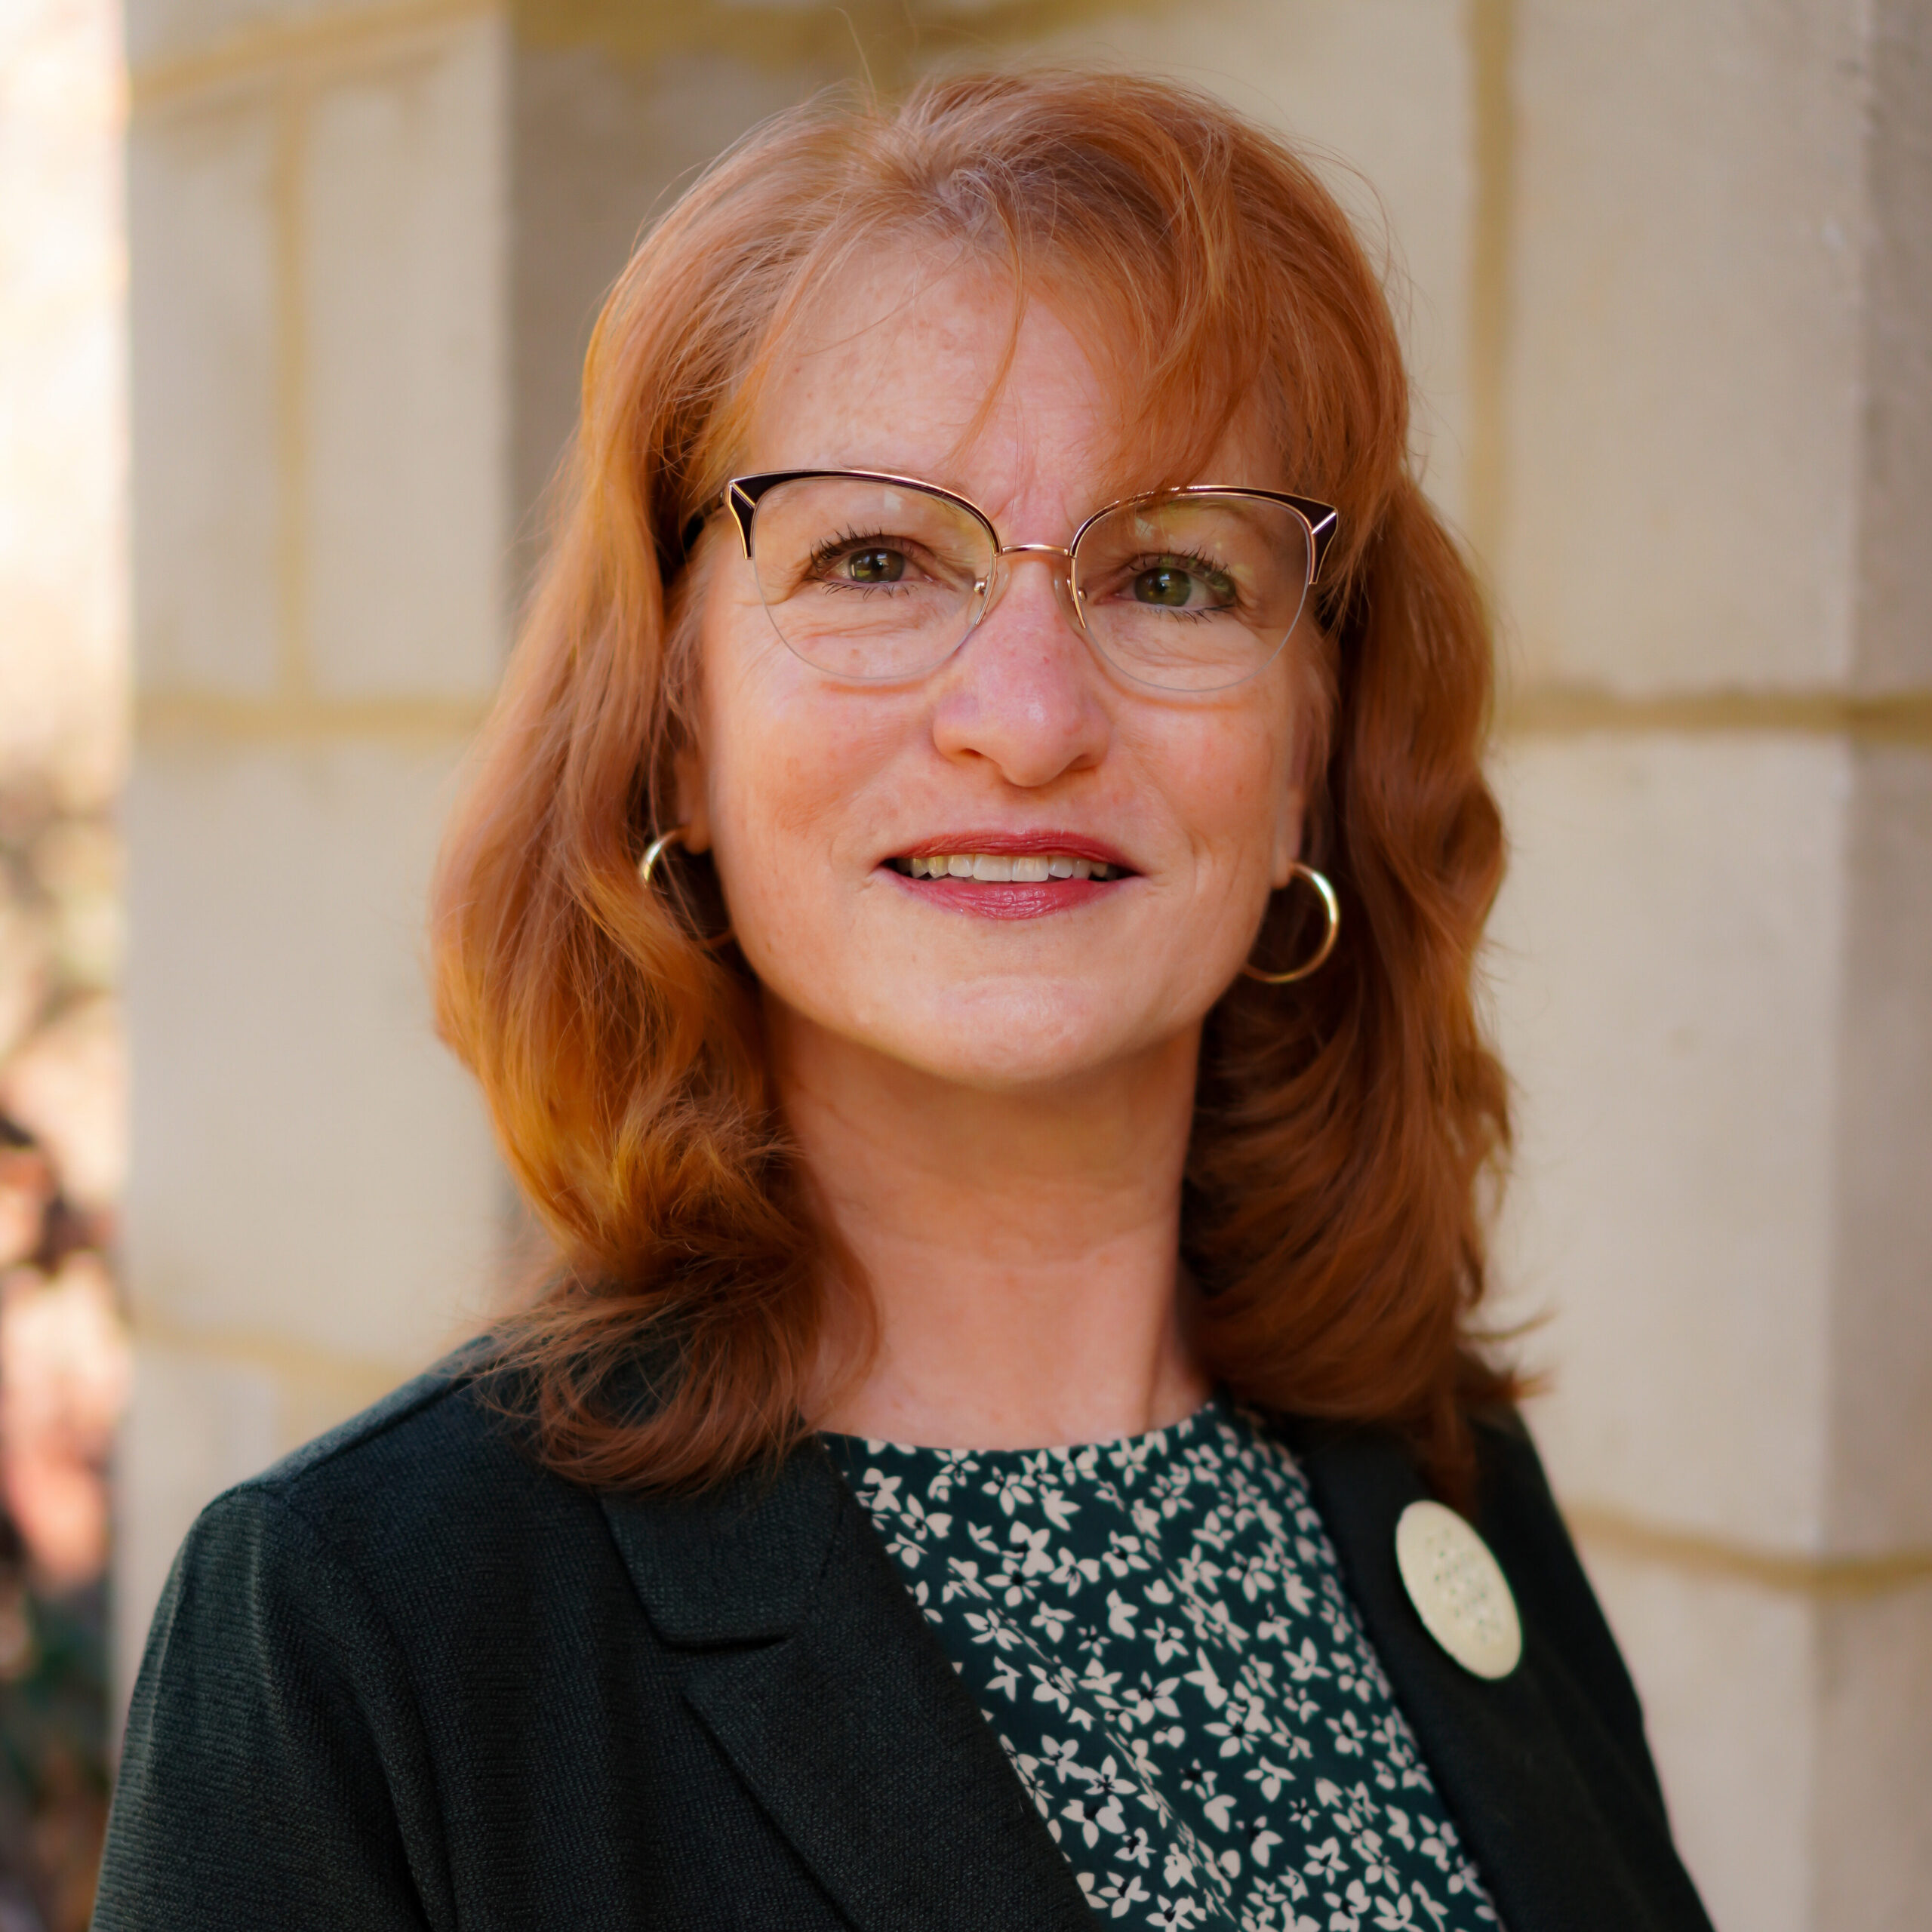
{"x":1157,"y":1630}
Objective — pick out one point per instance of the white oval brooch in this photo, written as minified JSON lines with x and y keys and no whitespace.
{"x":1459,"y":1589}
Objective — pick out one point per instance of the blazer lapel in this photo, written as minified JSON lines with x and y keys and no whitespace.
{"x":1561,"y":1851}
{"x":817,"y":1675}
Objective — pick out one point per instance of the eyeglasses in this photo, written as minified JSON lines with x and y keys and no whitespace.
{"x":873,"y":577}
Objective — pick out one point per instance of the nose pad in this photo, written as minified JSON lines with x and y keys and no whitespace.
{"x":1058,"y":560}
{"x":1068,"y":597}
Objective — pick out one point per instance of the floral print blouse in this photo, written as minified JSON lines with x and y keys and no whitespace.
{"x":1157,"y":1630}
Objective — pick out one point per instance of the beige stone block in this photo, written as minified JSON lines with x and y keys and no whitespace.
{"x":208,"y":474}
{"x":405,"y":206}
{"x":1873,"y":1832}
{"x":1382,"y":90}
{"x":1881,"y":1304}
{"x":1726,"y":1672}
{"x":195,"y":1427}
{"x":1668,"y":968}
{"x":1684,"y":413}
{"x":309,"y":1164}
{"x":602,"y":145}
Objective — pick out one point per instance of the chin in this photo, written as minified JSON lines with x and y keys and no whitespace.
{"x":1010,"y":1035}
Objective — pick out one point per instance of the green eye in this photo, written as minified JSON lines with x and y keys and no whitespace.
{"x":1164,"y":584}
{"x":1182,"y":583}
{"x":874,"y":566}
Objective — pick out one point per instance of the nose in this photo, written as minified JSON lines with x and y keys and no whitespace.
{"x":1059,"y":560}
{"x":1020,"y":693}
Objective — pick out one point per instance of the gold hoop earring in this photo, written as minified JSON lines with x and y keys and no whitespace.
{"x":656,"y":849}
{"x":1333,"y":907}
{"x":647,"y":866}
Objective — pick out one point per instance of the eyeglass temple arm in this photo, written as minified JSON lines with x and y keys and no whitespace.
{"x":733,"y":496}
{"x":1323,"y":522}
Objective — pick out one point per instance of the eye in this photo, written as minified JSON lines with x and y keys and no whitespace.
{"x":1164,"y":584}
{"x":1173,"y":583}
{"x":874,"y":563}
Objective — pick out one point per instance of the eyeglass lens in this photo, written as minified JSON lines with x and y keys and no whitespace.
{"x":871,"y":581}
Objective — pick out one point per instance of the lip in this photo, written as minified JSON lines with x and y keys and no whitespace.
{"x":1019,"y":844}
{"x":994,"y":899}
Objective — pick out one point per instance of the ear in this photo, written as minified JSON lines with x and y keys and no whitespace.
{"x":1289,"y":807}
{"x":694,"y":797}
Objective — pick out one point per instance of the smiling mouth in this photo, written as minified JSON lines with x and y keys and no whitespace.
{"x":1005,"y":868}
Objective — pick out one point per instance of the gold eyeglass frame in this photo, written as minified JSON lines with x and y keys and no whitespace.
{"x":741,"y":495}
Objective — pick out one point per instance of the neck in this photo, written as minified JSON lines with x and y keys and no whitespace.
{"x":1022,"y":1250}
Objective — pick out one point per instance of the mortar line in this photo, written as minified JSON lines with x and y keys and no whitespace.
{"x":1558,"y":710}
{"x":1722,"y":1560}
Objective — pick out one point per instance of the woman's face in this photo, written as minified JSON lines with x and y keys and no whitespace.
{"x":814,"y":793}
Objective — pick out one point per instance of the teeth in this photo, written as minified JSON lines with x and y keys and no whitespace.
{"x":999,"y":868}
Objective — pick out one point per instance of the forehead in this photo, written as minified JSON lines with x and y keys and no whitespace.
{"x":936,"y":368}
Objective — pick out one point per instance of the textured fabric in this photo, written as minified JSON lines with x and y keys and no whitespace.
{"x":1157,"y":1628}
{"x":407,"y":1679}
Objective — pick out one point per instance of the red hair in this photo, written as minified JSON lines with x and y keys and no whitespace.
{"x":1331,"y":1220}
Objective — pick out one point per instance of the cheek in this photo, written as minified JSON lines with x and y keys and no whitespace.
{"x":793,"y":771}
{"x":789,"y":774}
{"x":1224,"y":775}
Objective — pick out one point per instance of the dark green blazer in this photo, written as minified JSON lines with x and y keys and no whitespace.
{"x":408,"y":1679}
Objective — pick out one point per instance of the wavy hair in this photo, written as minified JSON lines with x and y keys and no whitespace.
{"x":1332,"y":1219}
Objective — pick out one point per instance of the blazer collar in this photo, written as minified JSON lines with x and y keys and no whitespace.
{"x":817,"y":1674}
{"x":739,"y":1564}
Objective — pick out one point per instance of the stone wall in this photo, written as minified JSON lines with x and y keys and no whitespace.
{"x":1666,"y":269}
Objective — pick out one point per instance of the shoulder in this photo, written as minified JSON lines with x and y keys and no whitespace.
{"x":420,"y":1505}
{"x":341,"y":1638}
{"x":440,"y":1438}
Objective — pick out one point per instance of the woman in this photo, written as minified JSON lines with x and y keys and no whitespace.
{"x":964,"y":919}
